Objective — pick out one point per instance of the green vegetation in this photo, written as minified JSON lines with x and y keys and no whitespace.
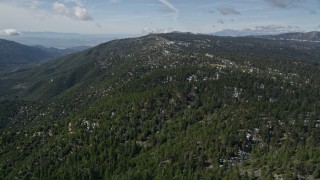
{"x":15,"y":56}
{"x":166,"y":106}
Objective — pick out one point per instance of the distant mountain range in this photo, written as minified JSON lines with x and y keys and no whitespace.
{"x":243,"y":32}
{"x":300,"y":36}
{"x":313,"y":36}
{"x":234,"y":33}
{"x":62,"y":40}
{"x":14,"y":56}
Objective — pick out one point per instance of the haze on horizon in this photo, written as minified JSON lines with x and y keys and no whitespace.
{"x":146,"y":16}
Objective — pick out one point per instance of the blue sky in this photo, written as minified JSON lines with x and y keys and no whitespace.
{"x":145,"y":16}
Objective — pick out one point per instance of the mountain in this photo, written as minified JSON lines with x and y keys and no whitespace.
{"x":313,"y":36}
{"x":245,"y":32}
{"x":15,"y":56}
{"x":174,"y":106}
{"x":233,"y":33}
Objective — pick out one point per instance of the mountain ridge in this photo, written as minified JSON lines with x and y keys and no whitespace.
{"x":298,"y":36}
{"x":313,"y":36}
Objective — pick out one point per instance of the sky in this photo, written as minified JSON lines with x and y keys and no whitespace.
{"x":157,"y":16}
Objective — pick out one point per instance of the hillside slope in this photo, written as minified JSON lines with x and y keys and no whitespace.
{"x":15,"y":56}
{"x":170,"y":106}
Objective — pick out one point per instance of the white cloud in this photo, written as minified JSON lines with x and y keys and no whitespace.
{"x":81,"y":14}
{"x":10,"y":32}
{"x":22,"y":18}
{"x":78,"y":13}
{"x":60,"y":8}
{"x":171,"y":8}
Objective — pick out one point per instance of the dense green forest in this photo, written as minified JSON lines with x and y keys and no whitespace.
{"x":166,"y":106}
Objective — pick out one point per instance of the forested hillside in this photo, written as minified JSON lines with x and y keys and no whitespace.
{"x":15,"y":56}
{"x":166,"y":106}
